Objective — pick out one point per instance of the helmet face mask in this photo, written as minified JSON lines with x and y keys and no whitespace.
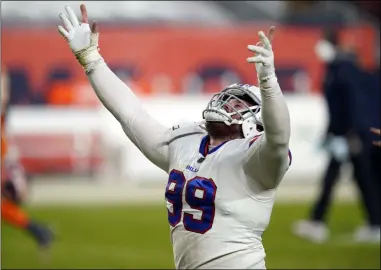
{"x":236,"y":104}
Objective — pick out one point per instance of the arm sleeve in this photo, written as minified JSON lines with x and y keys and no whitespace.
{"x":4,"y":90}
{"x":142,"y":129}
{"x":267,"y":159}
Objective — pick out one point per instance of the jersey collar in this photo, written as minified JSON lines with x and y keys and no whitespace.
{"x":204,"y":146}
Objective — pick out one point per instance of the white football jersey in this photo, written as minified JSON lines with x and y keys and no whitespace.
{"x":217,"y":214}
{"x":216,"y":207}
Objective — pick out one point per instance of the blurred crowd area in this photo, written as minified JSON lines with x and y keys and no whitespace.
{"x":181,"y":48}
{"x":165,"y":49}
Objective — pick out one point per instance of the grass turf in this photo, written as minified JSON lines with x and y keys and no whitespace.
{"x":137,"y":236}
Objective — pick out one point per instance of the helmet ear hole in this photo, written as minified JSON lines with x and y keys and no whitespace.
{"x":250,"y":127}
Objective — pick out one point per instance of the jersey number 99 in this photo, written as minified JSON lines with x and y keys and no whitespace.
{"x":200,"y":194}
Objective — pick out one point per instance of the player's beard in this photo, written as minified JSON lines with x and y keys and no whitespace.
{"x":221,"y":131}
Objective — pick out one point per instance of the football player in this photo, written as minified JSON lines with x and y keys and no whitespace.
{"x":13,"y":186}
{"x":223,"y":173}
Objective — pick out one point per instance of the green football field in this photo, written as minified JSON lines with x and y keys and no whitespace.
{"x":137,"y":236}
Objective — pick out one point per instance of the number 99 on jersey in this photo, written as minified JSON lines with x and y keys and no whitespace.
{"x":199,"y":193}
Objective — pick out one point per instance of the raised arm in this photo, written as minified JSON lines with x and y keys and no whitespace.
{"x":142,"y":129}
{"x":4,"y":90}
{"x":268,"y":159}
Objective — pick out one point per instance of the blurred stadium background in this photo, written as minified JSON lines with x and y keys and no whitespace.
{"x":102,"y":197}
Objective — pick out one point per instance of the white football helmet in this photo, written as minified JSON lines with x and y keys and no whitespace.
{"x":249,"y":117}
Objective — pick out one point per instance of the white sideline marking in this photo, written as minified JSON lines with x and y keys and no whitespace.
{"x":80,"y":192}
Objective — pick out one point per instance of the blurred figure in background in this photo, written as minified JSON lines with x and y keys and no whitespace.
{"x":373,"y":84}
{"x":376,"y":158}
{"x":347,"y":137}
{"x":376,"y":131}
{"x":13,"y":184}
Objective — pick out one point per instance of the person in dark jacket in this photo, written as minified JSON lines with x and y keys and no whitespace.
{"x":376,"y":131}
{"x":375,"y":124}
{"x":347,"y":139}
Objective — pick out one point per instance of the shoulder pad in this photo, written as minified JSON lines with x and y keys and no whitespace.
{"x":183,"y":129}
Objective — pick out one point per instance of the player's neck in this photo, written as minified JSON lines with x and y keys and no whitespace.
{"x":216,"y":141}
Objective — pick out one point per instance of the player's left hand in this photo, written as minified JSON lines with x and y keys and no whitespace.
{"x":376,"y":131}
{"x":264,"y":56}
{"x":82,"y":39}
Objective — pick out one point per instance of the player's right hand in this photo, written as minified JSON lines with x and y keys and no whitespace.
{"x":264,"y":55}
{"x":82,"y":40}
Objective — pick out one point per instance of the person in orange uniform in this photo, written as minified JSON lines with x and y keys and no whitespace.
{"x":11,"y":212}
